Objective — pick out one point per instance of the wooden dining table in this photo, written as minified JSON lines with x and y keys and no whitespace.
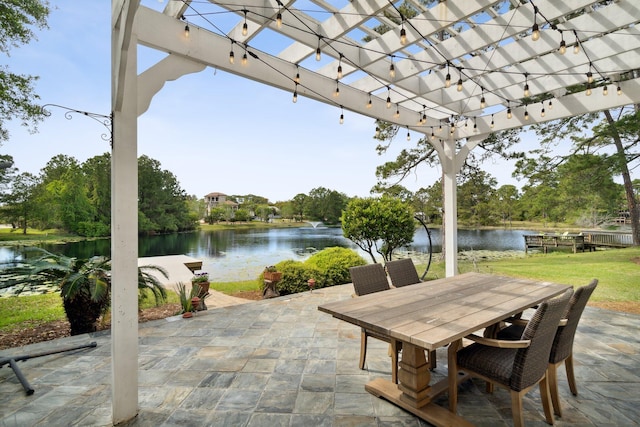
{"x":434,"y":314}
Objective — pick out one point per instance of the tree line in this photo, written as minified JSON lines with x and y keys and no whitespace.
{"x":76,"y":198}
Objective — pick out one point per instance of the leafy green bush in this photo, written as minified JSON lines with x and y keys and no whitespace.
{"x":335,"y":264}
{"x":295,"y":275}
{"x":328,"y":267}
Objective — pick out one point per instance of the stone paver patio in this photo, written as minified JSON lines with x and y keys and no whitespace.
{"x":281,"y":362}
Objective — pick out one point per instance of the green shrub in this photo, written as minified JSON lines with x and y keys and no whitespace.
{"x":334,"y":263}
{"x":295,"y":275}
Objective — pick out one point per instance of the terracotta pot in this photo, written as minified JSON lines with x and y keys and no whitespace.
{"x":195,"y":303}
{"x":187,"y":314}
{"x":274,"y":276}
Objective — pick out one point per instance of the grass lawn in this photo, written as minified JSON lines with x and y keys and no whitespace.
{"x":618,"y":270}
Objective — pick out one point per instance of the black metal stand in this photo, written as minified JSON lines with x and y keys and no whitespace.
{"x":12,"y":362}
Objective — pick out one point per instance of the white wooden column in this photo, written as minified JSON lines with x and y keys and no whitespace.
{"x":124,"y":233}
{"x":450,"y":172}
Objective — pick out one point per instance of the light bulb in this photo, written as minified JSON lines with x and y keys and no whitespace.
{"x":341,"y":118}
{"x":392,"y":71}
{"x":447,"y":80}
{"x":295,"y":96}
{"x":550,"y":105}
{"x":337,"y":92}
{"x":542,"y":113}
{"x":279,"y":19}
{"x":403,"y":36}
{"x":576,"y":48}
{"x":526,"y":115}
{"x":377,"y":131}
{"x":339,"y":72}
{"x":526,"y":90}
{"x":369,"y":104}
{"x":492,"y":122}
{"x":297,"y":79}
{"x":231,"y":57}
{"x":619,"y":90}
{"x":589,"y":77}
{"x":509,"y":115}
{"x":605,"y":91}
{"x":433,"y":136}
{"x":397,"y":114}
{"x":535,"y":35}
{"x":318,"y":54}
{"x":245,"y":29}
{"x":244,"y":59}
{"x":424,"y":118}
{"x":563,"y":47}
{"x":482,"y":102}
{"x":588,"y":92}
{"x":460,"y":84}
{"x":388,"y":102}
{"x":186,"y":31}
{"x":408,"y":136}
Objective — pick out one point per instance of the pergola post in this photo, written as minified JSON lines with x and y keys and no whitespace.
{"x":124,"y":230}
{"x":450,"y":172}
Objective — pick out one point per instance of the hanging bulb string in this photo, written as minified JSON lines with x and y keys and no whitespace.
{"x":409,"y":24}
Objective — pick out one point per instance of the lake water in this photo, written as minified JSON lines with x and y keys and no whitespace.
{"x":229,"y":255}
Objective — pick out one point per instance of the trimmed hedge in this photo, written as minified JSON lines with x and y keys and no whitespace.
{"x":328,"y":267}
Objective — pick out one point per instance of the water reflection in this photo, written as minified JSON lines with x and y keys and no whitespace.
{"x":242,"y":254}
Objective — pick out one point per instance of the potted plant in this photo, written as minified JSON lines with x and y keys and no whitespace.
{"x":186,"y":297}
{"x":271,"y":273}
{"x":202,"y":280}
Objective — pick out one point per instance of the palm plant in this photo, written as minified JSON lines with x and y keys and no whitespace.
{"x":85,"y":284}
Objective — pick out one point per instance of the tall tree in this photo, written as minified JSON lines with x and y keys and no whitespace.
{"x":20,"y":202}
{"x":18,"y":18}
{"x":378,"y":224}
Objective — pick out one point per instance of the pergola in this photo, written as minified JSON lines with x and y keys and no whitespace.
{"x":453,"y":70}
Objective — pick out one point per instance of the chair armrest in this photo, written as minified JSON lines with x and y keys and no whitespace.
{"x":523,"y":322}
{"x":516,"y":321}
{"x":491,"y":342}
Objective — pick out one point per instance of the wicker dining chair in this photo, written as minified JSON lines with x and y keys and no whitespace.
{"x":562,"y":348}
{"x":368,"y":279}
{"x":518,"y":365}
{"x":402,"y":272}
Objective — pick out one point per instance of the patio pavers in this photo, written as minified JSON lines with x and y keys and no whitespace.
{"x":281,"y":362}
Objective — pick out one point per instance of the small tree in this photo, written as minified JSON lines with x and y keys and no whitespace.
{"x":381,"y":224}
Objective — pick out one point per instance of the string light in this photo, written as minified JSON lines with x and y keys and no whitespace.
{"x":377,"y":131}
{"x":279,"y":15}
{"x":509,"y":115}
{"x":535,"y":30}
{"x":245,"y":27}
{"x":605,"y":91}
{"x":550,"y":105}
{"x":232,"y":58}
{"x":340,"y":67}
{"x":408,"y":135}
{"x":526,"y":113}
{"x":392,"y":70}
{"x":492,"y":122}
{"x":318,"y":51}
{"x":483,"y":102}
{"x":424,"y":115}
{"x":588,"y":92}
{"x":576,"y":47}
{"x":433,"y":136}
{"x":337,"y":92}
{"x":589,"y":75}
{"x":440,"y":127}
{"x":388,"y":98}
{"x":341,"y":115}
{"x":297,"y":78}
{"x":447,"y":80}
{"x":475,"y":125}
{"x":403,"y":34}
{"x":370,"y":103}
{"x":526,"y":85}
{"x":186,"y":26}
{"x":563,"y":45}
{"x":542,"y":113}
{"x":397,"y":114}
{"x":619,"y":90}
{"x":295,"y":94}
{"x":244,"y":56}
{"x":460,"y":80}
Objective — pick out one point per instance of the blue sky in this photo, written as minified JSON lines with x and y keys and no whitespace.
{"x":213,"y":131}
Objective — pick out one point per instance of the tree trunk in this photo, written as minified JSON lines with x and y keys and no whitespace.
{"x":82,"y":313}
{"x":632,"y":204}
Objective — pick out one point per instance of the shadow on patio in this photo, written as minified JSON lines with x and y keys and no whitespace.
{"x":281,"y":362}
